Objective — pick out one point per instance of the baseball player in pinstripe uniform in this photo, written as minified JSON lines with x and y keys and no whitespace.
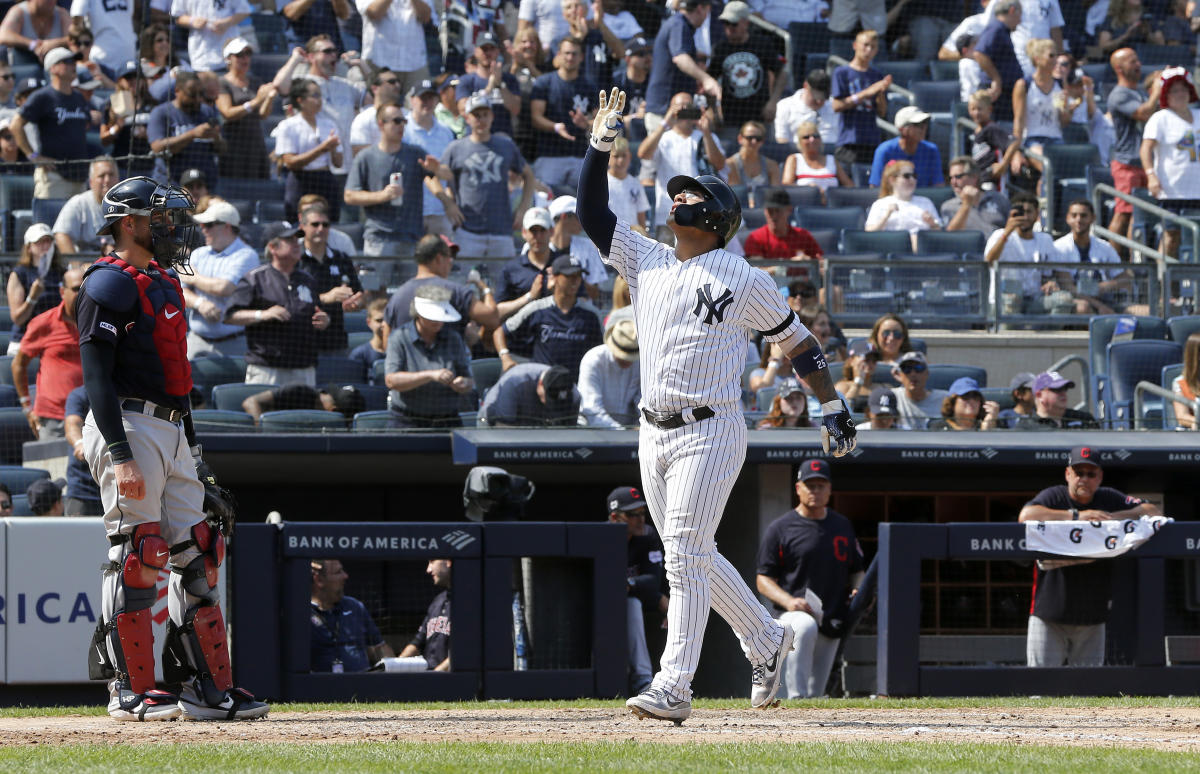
{"x":694,"y":305}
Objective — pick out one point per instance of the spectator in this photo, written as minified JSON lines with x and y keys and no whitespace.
{"x":881,"y":410}
{"x":340,"y":98}
{"x":812,"y":166}
{"x":626,"y":195}
{"x":1079,"y":91}
{"x":309,"y":18}
{"x":748,"y":166}
{"x":810,"y":564}
{"x":217,"y":267}
{"x":433,"y":637}
{"x":427,"y":134}
{"x":809,"y":104}
{"x":7,"y":89}
{"x":889,"y":335}
{"x":83,"y":495}
{"x":45,"y":497}
{"x":1187,"y":384}
{"x":53,"y":337}
{"x":910,"y":146}
{"x":858,"y":375}
{"x":898,"y":208}
{"x":1176,"y":28}
{"x":6,"y":502}
{"x":12,"y":160}
{"x":789,"y":407}
{"x":1072,"y":597}
{"x":845,"y":16}
{"x":532,"y":394}
{"x":33,"y":284}
{"x":750,"y":67}
{"x":635,"y":78}
{"x":195,"y":183}
{"x":80,"y":41}
{"x":1040,"y":20}
{"x":1127,"y":24}
{"x":1021,"y":389}
{"x":779,"y":240}
{"x":602,"y":49}
{"x":677,"y":146}
{"x":209,"y":33}
{"x":428,"y":365}
{"x":154,"y":51}
{"x":557,"y":329}
{"x":527,"y":65}
{"x":394,"y":37}
{"x":32,"y":29}
{"x":546,"y":17}
{"x":479,"y":164}
{"x":991,"y":146}
{"x":1040,"y":110}
{"x":123,"y":130}
{"x":965,"y":409}
{"x":1168,"y":156}
{"x":335,"y":279}
{"x":997,"y":56}
{"x":447,"y":112}
{"x":674,"y":68}
{"x":503,"y":90}
{"x":310,"y":147}
{"x":824,"y":330}
{"x":644,"y":579}
{"x":773,"y":364}
{"x":970,"y":74}
{"x":1130,"y":106}
{"x":385,"y":88}
{"x":435,"y":259}
{"x":523,"y":278}
{"x":915,"y":404}
{"x":561,"y":107}
{"x":567,"y":238}
{"x":972,"y":208}
{"x":340,"y":399}
{"x":80,"y":218}
{"x":276,"y":303}
{"x":1050,"y":403}
{"x":375,"y":349}
{"x":622,"y":23}
{"x":610,"y":379}
{"x":1017,"y":242}
{"x":344,"y":638}
{"x":244,"y":101}
{"x":338,"y":239}
{"x":187,"y":131}
{"x":1094,"y":290}
{"x":859,"y":96}
{"x":393,"y":206}
{"x":61,"y":116}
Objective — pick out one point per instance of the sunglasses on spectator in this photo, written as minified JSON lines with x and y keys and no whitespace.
{"x":398,"y":120}
{"x":753,"y":137}
{"x":7,"y":76}
{"x":329,"y":50}
{"x":6,"y":505}
{"x":72,"y":288}
{"x":390,"y":81}
{"x":960,"y":175}
{"x":808,"y":293}
{"x":912,"y":368}
{"x":891,"y":334}
{"x":319,"y":224}
{"x":908,"y":175}
{"x":84,"y":42}
{"x":809,"y":136}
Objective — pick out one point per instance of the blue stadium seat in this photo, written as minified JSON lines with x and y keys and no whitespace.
{"x":943,"y":71}
{"x":245,"y":209}
{"x":271,"y":31}
{"x":1130,"y":362}
{"x":1001,"y":395}
{"x":762,"y":400}
{"x":18,"y":477}
{"x":936,"y":96}
{"x":372,"y":421}
{"x":903,"y":72}
{"x":266,"y":65}
{"x":356,"y":321}
{"x":46,"y":210}
{"x":1169,"y":374}
{"x":1096,"y":174}
{"x":207,"y":372}
{"x":6,"y":375}
{"x":14,"y":432}
{"x":355,"y":232}
{"x":942,"y":375}
{"x":752,"y":219}
{"x":219,"y":421}
{"x":852,"y":197}
{"x":920,"y":345}
{"x":374,"y":395}
{"x":9,"y":397}
{"x":250,"y":188}
{"x":485,"y":372}
{"x":827,"y":238}
{"x":861,"y":174}
{"x":21,"y":505}
{"x":302,"y":421}
{"x":357,"y":338}
{"x":931,"y":241}
{"x":836,"y":218}
{"x":938,"y":194}
{"x":803,"y":195}
{"x":1100,"y":333}
{"x":876,"y":241}
{"x":339,"y":370}
{"x":1182,"y":327}
{"x":229,"y":397}
{"x":5,"y":318}
{"x":270,"y":210}
{"x":378,"y":371}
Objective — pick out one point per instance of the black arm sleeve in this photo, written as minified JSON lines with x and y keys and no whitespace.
{"x":98,"y":361}
{"x":596,"y":218}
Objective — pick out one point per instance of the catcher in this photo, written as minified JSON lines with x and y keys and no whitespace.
{"x":140,"y":445}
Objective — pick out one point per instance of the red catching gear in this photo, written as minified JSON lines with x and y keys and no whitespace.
{"x":211,"y":544}
{"x":139,"y":575}
{"x":209,"y":627}
{"x":137,"y":649}
{"x":147,"y":556}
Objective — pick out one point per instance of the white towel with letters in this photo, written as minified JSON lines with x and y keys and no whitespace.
{"x":1091,"y":539}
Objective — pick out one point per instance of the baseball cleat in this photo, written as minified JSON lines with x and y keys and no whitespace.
{"x":236,"y":704}
{"x":765,"y":678}
{"x":655,"y":704}
{"x":124,"y":704}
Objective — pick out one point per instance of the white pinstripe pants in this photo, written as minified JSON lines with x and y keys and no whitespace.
{"x":687,"y":475}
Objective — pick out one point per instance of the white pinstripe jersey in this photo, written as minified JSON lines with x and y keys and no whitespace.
{"x":692,"y":320}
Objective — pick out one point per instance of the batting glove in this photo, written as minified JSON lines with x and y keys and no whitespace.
{"x":607,"y":123}
{"x":837,"y":429}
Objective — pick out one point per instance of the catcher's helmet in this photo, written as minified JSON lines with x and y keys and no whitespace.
{"x":169,"y":208}
{"x":720,"y":212}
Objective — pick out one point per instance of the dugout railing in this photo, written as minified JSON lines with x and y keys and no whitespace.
{"x":1137,"y":625}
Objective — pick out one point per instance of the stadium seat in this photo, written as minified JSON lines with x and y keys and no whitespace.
{"x":301,"y":421}
{"x":836,"y":218}
{"x":14,"y":432}
{"x":1100,"y":333}
{"x":777,"y":152}
{"x":1154,"y":57}
{"x":372,"y":421}
{"x":207,"y":372}
{"x":21,"y":505}
{"x":271,"y":31}
{"x":762,"y":400}
{"x":229,"y":397}
{"x":753,"y":219}
{"x":903,"y":72}
{"x":861,"y":174}
{"x":6,"y":375}
{"x":1068,"y":171}
{"x":358,"y":338}
{"x":1001,"y":395}
{"x":8,"y":396}
{"x":942,"y":375}
{"x":943,"y":71}
{"x":356,"y":321}
{"x":852,"y":197}
{"x":1182,"y":327}
{"x":250,"y":188}
{"x":936,"y":96}
{"x":931,"y":241}
{"x":808,"y":38}
{"x":378,"y":371}
{"x":876,"y":241}
{"x":938,"y":194}
{"x":266,"y":65}
{"x":1097,"y":174}
{"x":270,"y":210}
{"x":219,"y":421}
{"x":46,"y":210}
{"x":245,"y":209}
{"x":804,"y":195}
{"x":1130,"y":362}
{"x":374,"y":395}
{"x":355,"y":232}
{"x":5,"y":319}
{"x":251,"y":234}
{"x":485,"y":372}
{"x":827,"y":238}
{"x":1169,"y":373}
{"x":742,"y":192}
{"x":18,"y":477}
{"x":339,"y":370}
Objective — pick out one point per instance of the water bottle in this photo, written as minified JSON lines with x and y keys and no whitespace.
{"x":397,"y":179}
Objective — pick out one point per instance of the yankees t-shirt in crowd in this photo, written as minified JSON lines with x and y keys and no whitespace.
{"x":471,"y":83}
{"x":1080,"y":594}
{"x":167,"y":120}
{"x":635,"y":93}
{"x":563,"y":97}
{"x":676,"y":36}
{"x":371,"y":171}
{"x":627,"y":197}
{"x":597,"y":65}
{"x":433,"y":638}
{"x":801,"y":553}
{"x":399,"y":306}
{"x":858,"y":123}
{"x":62,"y":122}
{"x":112,"y":25}
{"x":343,"y":633}
{"x":481,"y":180}
{"x":80,"y":483}
{"x":546,"y":334}
{"x":741,"y":69}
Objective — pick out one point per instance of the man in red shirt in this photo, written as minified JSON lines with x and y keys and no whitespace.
{"x":53,"y":337}
{"x":779,"y":240}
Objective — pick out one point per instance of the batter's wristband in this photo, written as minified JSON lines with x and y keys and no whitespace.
{"x":809,"y":361}
{"x":121,"y":452}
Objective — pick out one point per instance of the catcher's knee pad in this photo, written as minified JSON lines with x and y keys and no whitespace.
{"x":199,"y":649}
{"x":200,"y":575}
{"x":129,"y":635}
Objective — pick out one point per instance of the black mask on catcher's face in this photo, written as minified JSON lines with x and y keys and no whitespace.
{"x":173,"y":232}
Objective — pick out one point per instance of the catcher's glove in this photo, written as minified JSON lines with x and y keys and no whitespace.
{"x":220,"y":507}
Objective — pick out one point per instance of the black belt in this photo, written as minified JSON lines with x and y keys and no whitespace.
{"x":665,"y":421}
{"x":219,"y":339}
{"x":174,"y":416}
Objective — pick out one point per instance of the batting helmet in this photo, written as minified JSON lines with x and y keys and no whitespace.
{"x":720,"y":212}
{"x":169,"y":208}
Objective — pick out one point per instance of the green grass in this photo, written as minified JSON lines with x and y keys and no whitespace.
{"x":594,"y":757}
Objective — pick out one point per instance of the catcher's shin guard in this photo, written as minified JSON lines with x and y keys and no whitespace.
{"x":129,"y":635}
{"x":198,"y":646}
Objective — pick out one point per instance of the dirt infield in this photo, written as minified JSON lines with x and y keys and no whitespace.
{"x":1159,"y":728}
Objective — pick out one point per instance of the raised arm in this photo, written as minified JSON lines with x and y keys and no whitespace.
{"x":597,"y":219}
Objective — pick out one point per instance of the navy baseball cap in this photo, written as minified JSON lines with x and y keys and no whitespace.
{"x":128,"y":68}
{"x":813,"y":469}
{"x":1022,"y":380}
{"x":424,"y":87}
{"x":637,"y":45}
{"x":26,"y":85}
{"x":43,"y":494}
{"x":280,"y":229}
{"x":882,"y":402}
{"x":1084,"y":455}
{"x":566,"y":264}
{"x":559,"y":386}
{"x":624,"y":499}
{"x":486,"y":39}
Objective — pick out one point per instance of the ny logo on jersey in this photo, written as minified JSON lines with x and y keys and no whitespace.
{"x":580,"y":103}
{"x":484,"y":168}
{"x":716,"y":307}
